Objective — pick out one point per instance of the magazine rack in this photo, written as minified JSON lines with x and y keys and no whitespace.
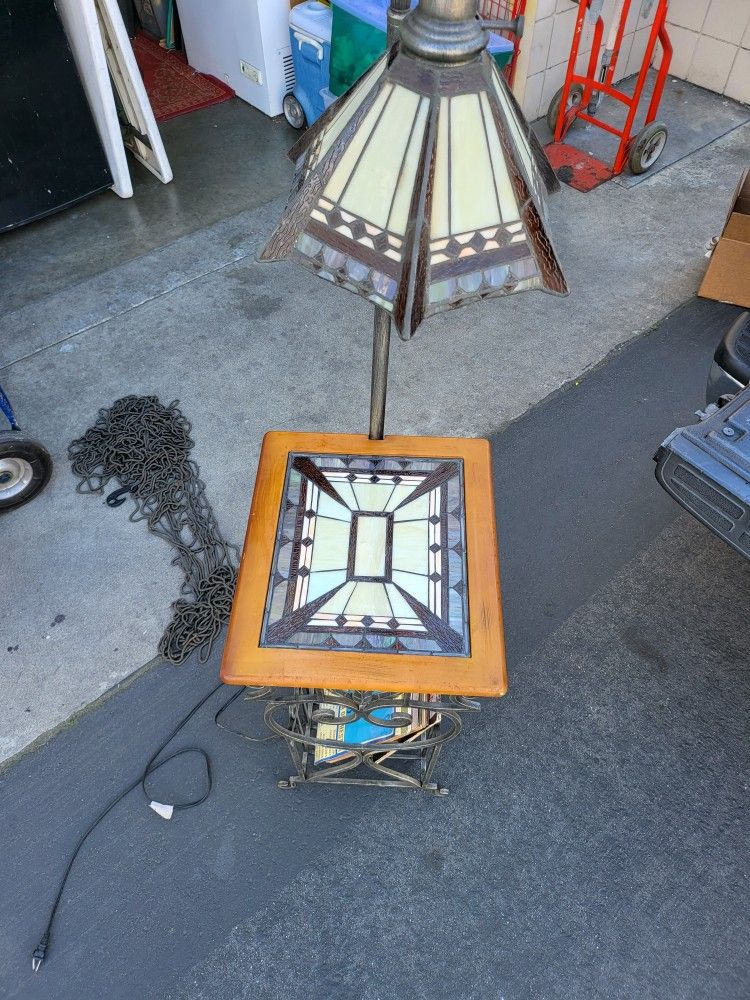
{"x":396,"y":761}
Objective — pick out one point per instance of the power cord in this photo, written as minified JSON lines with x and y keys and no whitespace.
{"x":165,"y":810}
{"x":145,"y":446}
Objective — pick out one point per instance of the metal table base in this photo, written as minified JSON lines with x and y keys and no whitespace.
{"x":392,"y":762}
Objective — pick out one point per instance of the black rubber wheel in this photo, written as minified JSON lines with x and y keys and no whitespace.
{"x":647,"y":147}
{"x":293,"y":111}
{"x":25,"y":468}
{"x":574,"y":99}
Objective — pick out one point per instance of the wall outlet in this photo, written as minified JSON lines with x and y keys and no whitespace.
{"x":251,"y":72}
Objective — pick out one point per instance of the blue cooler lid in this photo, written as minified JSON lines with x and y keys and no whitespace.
{"x":499,"y":43}
{"x":314,"y":19}
{"x":375,"y":13}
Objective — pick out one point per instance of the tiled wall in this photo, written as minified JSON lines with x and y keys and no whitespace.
{"x":551,"y":41}
{"x":711,"y":41}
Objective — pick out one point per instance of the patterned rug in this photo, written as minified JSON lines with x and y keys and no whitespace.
{"x":173,"y":87}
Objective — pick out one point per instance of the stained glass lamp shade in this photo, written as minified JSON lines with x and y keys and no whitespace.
{"x":422,"y":189}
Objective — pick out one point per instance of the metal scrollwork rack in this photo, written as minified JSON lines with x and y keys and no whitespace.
{"x":297,"y":716}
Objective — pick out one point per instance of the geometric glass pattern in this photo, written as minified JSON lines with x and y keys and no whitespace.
{"x":370,"y":556}
{"x":421,"y":189}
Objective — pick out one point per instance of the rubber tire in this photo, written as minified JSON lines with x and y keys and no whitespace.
{"x":554,"y":105}
{"x":294,"y":112}
{"x":15,"y":444}
{"x":641,"y":143}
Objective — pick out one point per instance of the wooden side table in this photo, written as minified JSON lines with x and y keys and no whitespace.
{"x":369,"y":586}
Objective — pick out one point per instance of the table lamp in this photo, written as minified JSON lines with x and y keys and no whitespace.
{"x":370,"y":581}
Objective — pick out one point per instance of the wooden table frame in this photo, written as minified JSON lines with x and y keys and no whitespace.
{"x":480,"y":673}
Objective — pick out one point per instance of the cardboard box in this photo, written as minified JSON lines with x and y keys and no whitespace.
{"x":728,"y":276}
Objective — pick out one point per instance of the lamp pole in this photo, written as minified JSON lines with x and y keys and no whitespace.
{"x":381,"y":342}
{"x":396,"y":13}
{"x":381,"y":338}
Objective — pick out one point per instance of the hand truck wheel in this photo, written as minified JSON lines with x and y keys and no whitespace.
{"x":574,"y":99}
{"x":647,"y":147}
{"x":293,"y":111}
{"x":25,"y":468}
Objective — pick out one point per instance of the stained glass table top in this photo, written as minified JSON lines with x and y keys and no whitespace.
{"x":370,"y":565}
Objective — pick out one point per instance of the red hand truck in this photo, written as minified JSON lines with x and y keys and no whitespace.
{"x":580,"y":95}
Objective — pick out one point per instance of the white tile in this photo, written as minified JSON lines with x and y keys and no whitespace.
{"x":553,"y":80}
{"x":532,"y":96}
{"x":683,"y":49}
{"x":738,"y":84}
{"x":635,"y":19}
{"x":587,"y":36}
{"x":621,"y":69}
{"x":582,"y":62}
{"x":727,"y":19}
{"x":746,"y":38}
{"x":562,"y":37}
{"x":656,"y":57}
{"x":637,"y":51}
{"x":545,"y":8}
{"x":711,"y":63}
{"x":688,"y":13}
{"x":540,"y":45}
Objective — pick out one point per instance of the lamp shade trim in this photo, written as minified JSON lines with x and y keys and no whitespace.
{"x":422,"y":189}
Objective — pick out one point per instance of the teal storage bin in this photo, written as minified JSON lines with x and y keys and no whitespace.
{"x":358,"y":38}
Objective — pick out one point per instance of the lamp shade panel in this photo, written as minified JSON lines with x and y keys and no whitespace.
{"x":421,"y":189}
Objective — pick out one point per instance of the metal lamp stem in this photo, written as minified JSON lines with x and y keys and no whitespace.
{"x":456,"y":20}
{"x":396,"y":13}
{"x":381,"y":342}
{"x":381,"y":339}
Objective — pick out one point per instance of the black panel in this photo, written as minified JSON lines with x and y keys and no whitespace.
{"x":733,"y":353}
{"x":706,"y":468}
{"x":50,"y":152}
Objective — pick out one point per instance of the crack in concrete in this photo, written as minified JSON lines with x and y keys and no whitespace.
{"x":123,"y":312}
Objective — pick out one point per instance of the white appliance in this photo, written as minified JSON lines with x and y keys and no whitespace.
{"x":243,"y":42}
